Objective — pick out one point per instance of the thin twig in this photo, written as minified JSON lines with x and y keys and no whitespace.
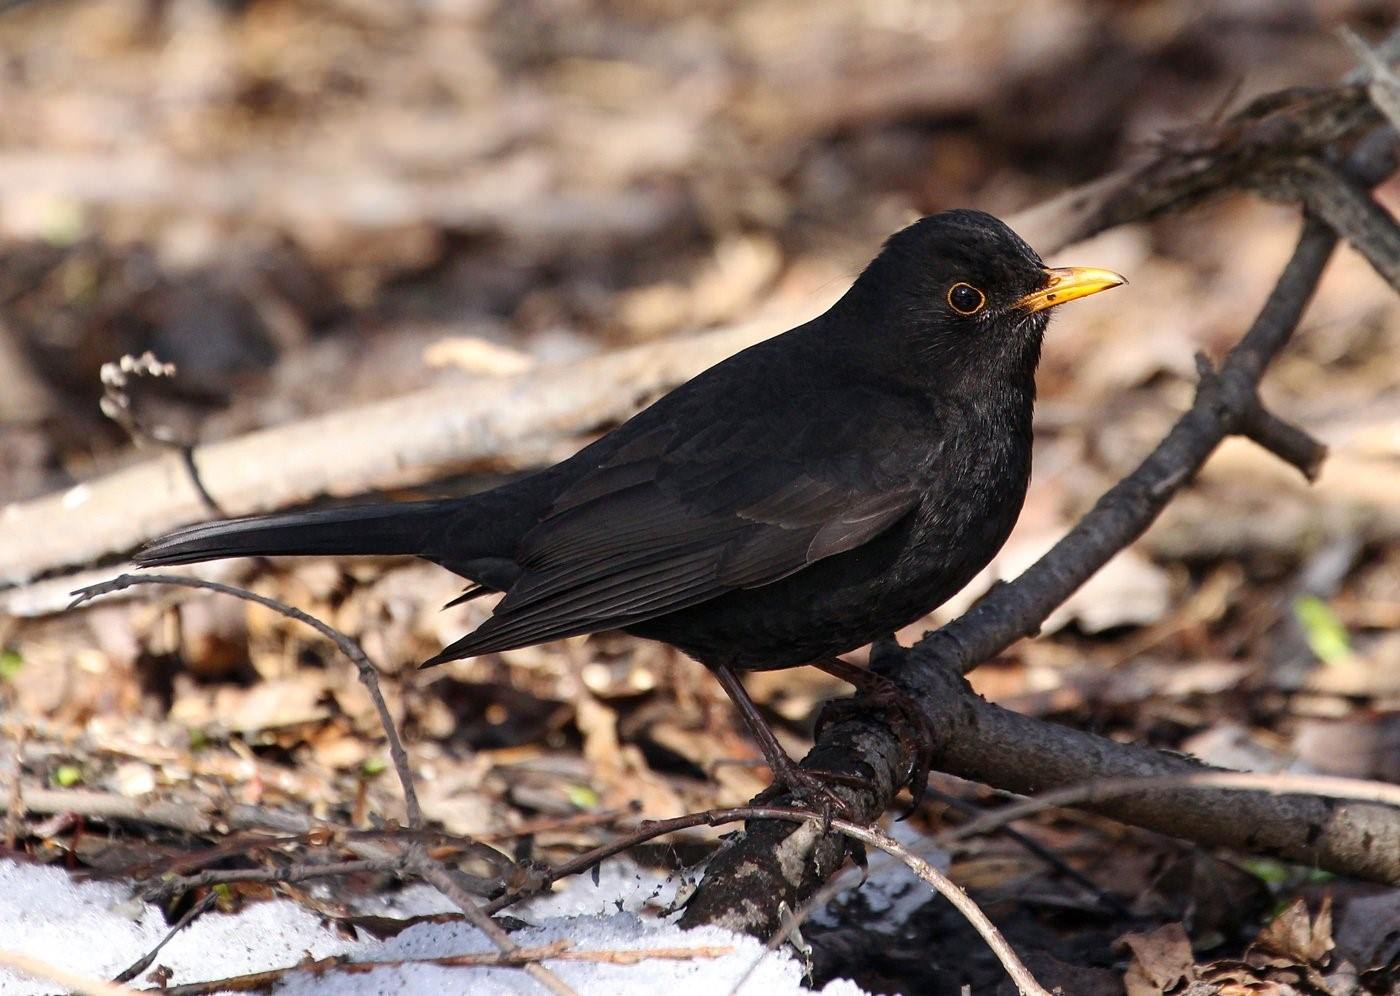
{"x":72,"y":981}
{"x":949,"y":890}
{"x":415,"y":858}
{"x":369,"y":674}
{"x":638,"y":835}
{"x":117,"y":378}
{"x":191,"y":914}
{"x":439,"y":877}
{"x":1035,"y":847}
{"x":170,"y":885}
{"x":520,"y":958}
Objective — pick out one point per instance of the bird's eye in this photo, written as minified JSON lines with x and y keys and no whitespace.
{"x":966,"y":299}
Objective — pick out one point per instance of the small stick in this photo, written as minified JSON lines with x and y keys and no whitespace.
{"x":558,"y":951}
{"x":369,"y":674}
{"x":437,"y":875}
{"x":1026,"y":983}
{"x":72,"y":981}
{"x":142,"y":963}
{"x":170,"y":885}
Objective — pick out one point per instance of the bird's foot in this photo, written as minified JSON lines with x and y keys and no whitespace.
{"x":809,"y":785}
{"x":909,"y":724}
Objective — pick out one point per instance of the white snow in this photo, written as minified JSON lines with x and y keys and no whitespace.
{"x":98,"y":928}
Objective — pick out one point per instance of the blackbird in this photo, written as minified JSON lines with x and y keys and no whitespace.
{"x":798,"y":500}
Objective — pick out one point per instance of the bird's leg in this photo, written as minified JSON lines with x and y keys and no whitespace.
{"x":878,"y":690}
{"x":786,"y":774}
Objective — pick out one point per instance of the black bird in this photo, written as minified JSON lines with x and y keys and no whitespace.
{"x":796,"y":501}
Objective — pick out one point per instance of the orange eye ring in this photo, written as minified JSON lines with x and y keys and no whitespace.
{"x":966,"y":299}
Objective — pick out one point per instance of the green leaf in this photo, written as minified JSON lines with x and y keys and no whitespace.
{"x":67,"y":775}
{"x":583,"y":797}
{"x":1327,"y":637}
{"x":374,"y":766}
{"x":10,"y":663}
{"x":1267,"y":870}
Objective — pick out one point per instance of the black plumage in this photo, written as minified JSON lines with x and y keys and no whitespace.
{"x":806,"y":496}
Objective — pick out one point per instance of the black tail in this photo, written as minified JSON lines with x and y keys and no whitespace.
{"x":383,"y":529}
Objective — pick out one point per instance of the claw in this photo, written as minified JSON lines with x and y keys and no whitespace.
{"x":882,"y":693}
{"x":791,"y":779}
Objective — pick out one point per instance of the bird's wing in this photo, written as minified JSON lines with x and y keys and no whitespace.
{"x":671,"y":520}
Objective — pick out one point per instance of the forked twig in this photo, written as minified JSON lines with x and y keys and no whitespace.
{"x":415,"y":859}
{"x":369,"y":674}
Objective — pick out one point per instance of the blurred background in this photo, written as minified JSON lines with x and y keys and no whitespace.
{"x":309,"y":205}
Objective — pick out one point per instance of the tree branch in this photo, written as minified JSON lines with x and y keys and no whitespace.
{"x":1348,"y":207}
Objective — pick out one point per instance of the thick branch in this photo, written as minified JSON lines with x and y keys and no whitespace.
{"x":983,"y":742}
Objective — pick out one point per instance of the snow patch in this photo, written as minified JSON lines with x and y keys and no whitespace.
{"x":98,"y":928}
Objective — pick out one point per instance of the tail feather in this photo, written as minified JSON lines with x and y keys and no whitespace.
{"x":382,"y":529}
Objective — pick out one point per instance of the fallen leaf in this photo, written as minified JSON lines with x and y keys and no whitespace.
{"x":1294,"y":935}
{"x":1161,"y":961}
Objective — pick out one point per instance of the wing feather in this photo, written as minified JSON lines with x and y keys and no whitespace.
{"x":670,"y":520}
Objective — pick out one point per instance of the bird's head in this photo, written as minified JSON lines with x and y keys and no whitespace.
{"x":962,"y":293}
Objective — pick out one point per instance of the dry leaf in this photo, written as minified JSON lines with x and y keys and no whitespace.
{"x":268,"y":705}
{"x":1296,"y":936}
{"x":1162,"y":960}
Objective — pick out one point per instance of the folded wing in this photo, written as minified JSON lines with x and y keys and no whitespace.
{"x":669,"y":522}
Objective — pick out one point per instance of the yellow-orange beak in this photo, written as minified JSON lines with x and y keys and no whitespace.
{"x":1069,"y":283}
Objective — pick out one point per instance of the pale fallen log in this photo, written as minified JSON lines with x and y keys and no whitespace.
{"x":515,"y":199}
{"x":402,"y":440}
